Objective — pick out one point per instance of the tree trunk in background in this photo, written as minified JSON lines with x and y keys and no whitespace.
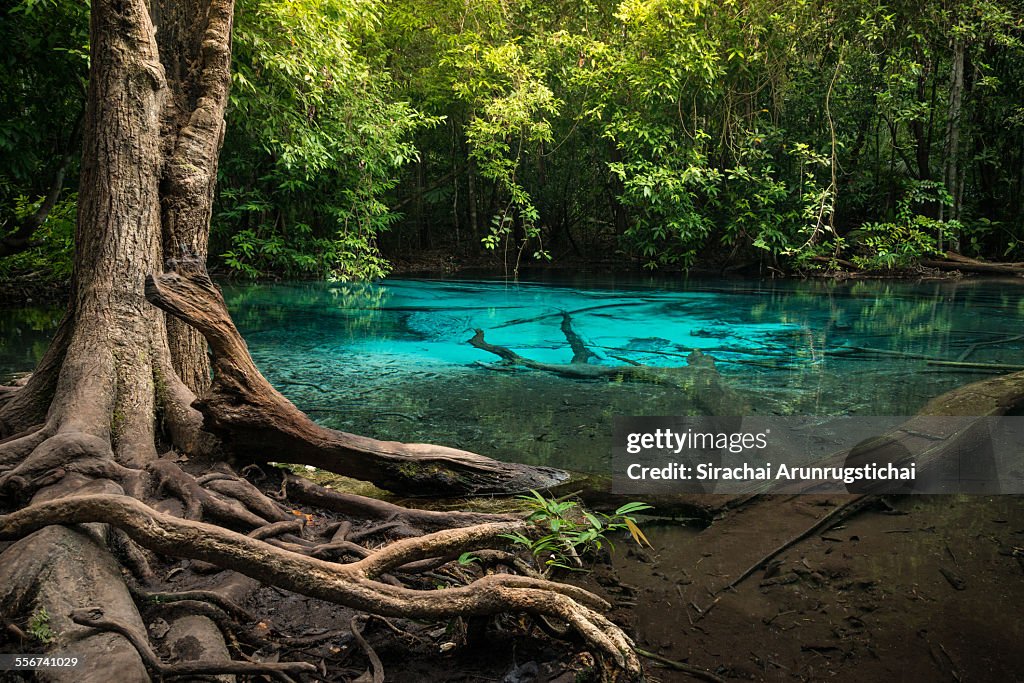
{"x":616,"y":189}
{"x":922,"y":139}
{"x":471,"y":200}
{"x":952,"y":174}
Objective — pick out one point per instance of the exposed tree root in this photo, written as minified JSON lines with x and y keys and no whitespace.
{"x":15,"y":448}
{"x":354,"y":584}
{"x":59,"y":570}
{"x":200,"y":503}
{"x":306,"y":491}
{"x":276,"y":529}
{"x":94,"y":617}
{"x":204,"y":596}
{"x":955,"y":261}
{"x":254,"y":418}
{"x":132,"y":556}
{"x":249,"y":496}
{"x":376,"y":667}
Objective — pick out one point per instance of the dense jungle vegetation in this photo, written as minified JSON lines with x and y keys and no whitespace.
{"x":793,"y":135}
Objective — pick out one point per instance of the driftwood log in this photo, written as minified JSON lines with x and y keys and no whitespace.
{"x":699,"y":378}
{"x":954,"y":261}
{"x":931,"y":439}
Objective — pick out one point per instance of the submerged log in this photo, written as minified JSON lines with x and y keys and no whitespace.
{"x":256,"y":421}
{"x":699,"y":377}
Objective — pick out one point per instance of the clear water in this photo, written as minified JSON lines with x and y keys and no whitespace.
{"x":392,"y":359}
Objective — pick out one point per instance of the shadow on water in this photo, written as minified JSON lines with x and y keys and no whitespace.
{"x":392,"y":359}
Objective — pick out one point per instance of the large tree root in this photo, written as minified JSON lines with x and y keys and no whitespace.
{"x":252,"y":417}
{"x":353,"y":585}
{"x":60,"y":569}
{"x":306,"y":491}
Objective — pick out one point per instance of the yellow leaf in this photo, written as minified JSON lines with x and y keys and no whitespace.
{"x":637,"y":535}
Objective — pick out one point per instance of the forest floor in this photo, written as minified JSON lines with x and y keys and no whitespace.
{"x":872,"y":599}
{"x":928,"y":590}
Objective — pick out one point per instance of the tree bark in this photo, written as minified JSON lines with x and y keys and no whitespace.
{"x":193,"y":132}
{"x":94,"y":435}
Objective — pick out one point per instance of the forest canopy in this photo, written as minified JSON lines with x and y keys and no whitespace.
{"x":794,"y":135}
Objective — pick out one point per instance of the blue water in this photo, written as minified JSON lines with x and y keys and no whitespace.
{"x":392,"y":359}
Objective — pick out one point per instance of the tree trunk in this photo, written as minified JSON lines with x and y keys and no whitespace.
{"x":100,"y":376}
{"x":94,"y":436}
{"x":952,"y":175}
{"x":471,"y":200}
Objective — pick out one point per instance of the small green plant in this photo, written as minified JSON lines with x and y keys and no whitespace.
{"x":570,"y":532}
{"x":39,"y":626}
{"x":467,"y":559}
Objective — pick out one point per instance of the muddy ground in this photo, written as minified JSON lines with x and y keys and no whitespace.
{"x":928,"y":588}
{"x":927,"y":591}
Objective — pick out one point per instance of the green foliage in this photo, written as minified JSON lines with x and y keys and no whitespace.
{"x":468,"y":558}
{"x":39,"y":626}
{"x":568,"y":532}
{"x":314,"y":142}
{"x":511,"y":104}
{"x":43,"y":68}
{"x":658,"y":132}
{"x":911,"y":236}
{"x":669,"y":131}
{"x":51,"y":258}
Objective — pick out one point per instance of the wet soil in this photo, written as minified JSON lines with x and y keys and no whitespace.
{"x":926,"y":591}
{"x":917,"y":588}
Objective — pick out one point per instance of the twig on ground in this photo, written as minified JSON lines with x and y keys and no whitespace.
{"x":695,"y":671}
